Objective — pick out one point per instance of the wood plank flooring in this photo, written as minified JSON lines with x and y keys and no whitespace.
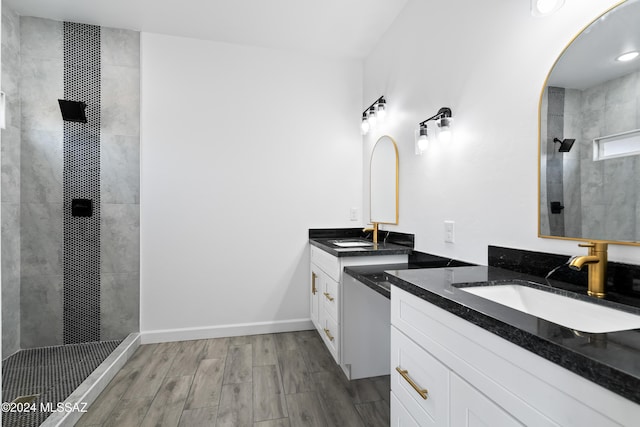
{"x":272,"y":380}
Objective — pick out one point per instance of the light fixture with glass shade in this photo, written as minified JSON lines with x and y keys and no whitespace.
{"x":373,"y":120}
{"x":381,"y":109}
{"x":365,"y":124}
{"x":374,"y":114}
{"x":444,"y":120}
{"x":444,"y":125}
{"x":422,"y":138}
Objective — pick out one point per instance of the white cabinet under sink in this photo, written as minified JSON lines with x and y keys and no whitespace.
{"x":471,"y":377}
{"x":326,"y":295}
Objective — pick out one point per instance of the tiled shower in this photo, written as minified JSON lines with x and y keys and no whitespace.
{"x":586,"y":188}
{"x":69,"y":279}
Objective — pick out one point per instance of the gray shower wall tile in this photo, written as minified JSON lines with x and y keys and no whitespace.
{"x":41,"y":239}
{"x":620,"y":117}
{"x":119,"y":169}
{"x":120,"y":238}
{"x":572,"y":102}
{"x":41,"y":311}
{"x":10,"y":241}
{"x":593,"y":221}
{"x":620,"y":195}
{"x":637,"y":233}
{"x":617,"y":224}
{"x":120,"y":100}
{"x":42,"y":86}
{"x":41,"y":38}
{"x":593,"y":99}
{"x":10,"y":165}
{"x":10,"y":316}
{"x":620,"y":90}
{"x":10,"y":278}
{"x":119,"y":47}
{"x":42,"y":166}
{"x":13,"y":115}
{"x":10,"y":72}
{"x":592,"y":125}
{"x":119,"y":305}
{"x":592,"y":178}
{"x":10,"y":28}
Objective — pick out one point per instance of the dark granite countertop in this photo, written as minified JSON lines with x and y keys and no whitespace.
{"x":374,"y":276}
{"x":327,"y":245}
{"x":611,"y":360}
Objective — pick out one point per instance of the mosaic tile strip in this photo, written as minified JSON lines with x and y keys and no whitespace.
{"x":81,"y":180}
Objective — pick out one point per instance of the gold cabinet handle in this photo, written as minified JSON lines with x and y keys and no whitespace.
{"x":328,"y":296}
{"x":313,"y":283}
{"x":405,"y":374}
{"x":328,"y":332}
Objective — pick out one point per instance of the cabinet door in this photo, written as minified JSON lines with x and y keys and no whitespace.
{"x":400,"y":417}
{"x":315,"y":295}
{"x":470,"y":408}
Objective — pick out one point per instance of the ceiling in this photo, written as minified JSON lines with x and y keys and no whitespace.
{"x":590,"y":59}
{"x":340,"y":28}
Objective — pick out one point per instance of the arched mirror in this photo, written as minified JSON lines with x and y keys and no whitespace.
{"x":589,"y":151}
{"x":384,"y":182}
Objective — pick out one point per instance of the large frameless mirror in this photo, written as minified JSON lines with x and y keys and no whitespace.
{"x":589,"y":156}
{"x":384,"y":182}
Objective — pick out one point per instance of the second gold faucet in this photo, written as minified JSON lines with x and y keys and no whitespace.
{"x":375,"y":231}
{"x":596,"y":259}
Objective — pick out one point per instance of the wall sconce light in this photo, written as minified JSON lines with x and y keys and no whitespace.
{"x":376,"y":112}
{"x":422,"y":138}
{"x":443,"y":120}
{"x":541,"y":8}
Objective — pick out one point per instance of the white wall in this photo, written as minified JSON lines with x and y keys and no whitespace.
{"x":243,"y":150}
{"x":487,"y":61}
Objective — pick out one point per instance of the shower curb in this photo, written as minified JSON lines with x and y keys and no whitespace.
{"x":87,"y":392}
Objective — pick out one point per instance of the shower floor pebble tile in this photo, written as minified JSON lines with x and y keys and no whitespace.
{"x":52,"y":373}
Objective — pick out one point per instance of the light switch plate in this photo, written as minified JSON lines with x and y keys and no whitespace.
{"x":353,"y":214}
{"x":449,"y":231}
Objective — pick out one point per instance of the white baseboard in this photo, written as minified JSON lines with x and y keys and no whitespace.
{"x":206,"y":332}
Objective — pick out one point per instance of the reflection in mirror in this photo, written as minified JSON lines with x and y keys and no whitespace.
{"x":384,"y":182}
{"x":590,"y":134}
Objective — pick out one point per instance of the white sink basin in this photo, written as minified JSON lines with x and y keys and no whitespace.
{"x":571,"y":313}
{"x":352,"y":243}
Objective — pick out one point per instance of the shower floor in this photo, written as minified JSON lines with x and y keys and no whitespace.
{"x":51,"y":373}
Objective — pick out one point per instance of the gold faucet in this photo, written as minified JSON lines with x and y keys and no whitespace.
{"x":375,"y":231}
{"x":597,"y":261}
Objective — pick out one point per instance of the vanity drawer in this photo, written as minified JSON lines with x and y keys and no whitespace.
{"x":330,"y":333}
{"x":423,"y":371}
{"x":327,"y":262}
{"x":329,"y":296}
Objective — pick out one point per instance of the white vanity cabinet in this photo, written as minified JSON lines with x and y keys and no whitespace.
{"x":326,"y":289}
{"x":473,"y":377}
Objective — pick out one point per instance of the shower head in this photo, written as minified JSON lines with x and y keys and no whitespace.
{"x":565,"y":144}
{"x":73,"y":111}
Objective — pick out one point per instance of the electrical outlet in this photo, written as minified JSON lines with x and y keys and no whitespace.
{"x":353,"y":214}
{"x":449,"y":231}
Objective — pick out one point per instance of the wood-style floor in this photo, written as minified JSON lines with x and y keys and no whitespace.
{"x":272,"y":380}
